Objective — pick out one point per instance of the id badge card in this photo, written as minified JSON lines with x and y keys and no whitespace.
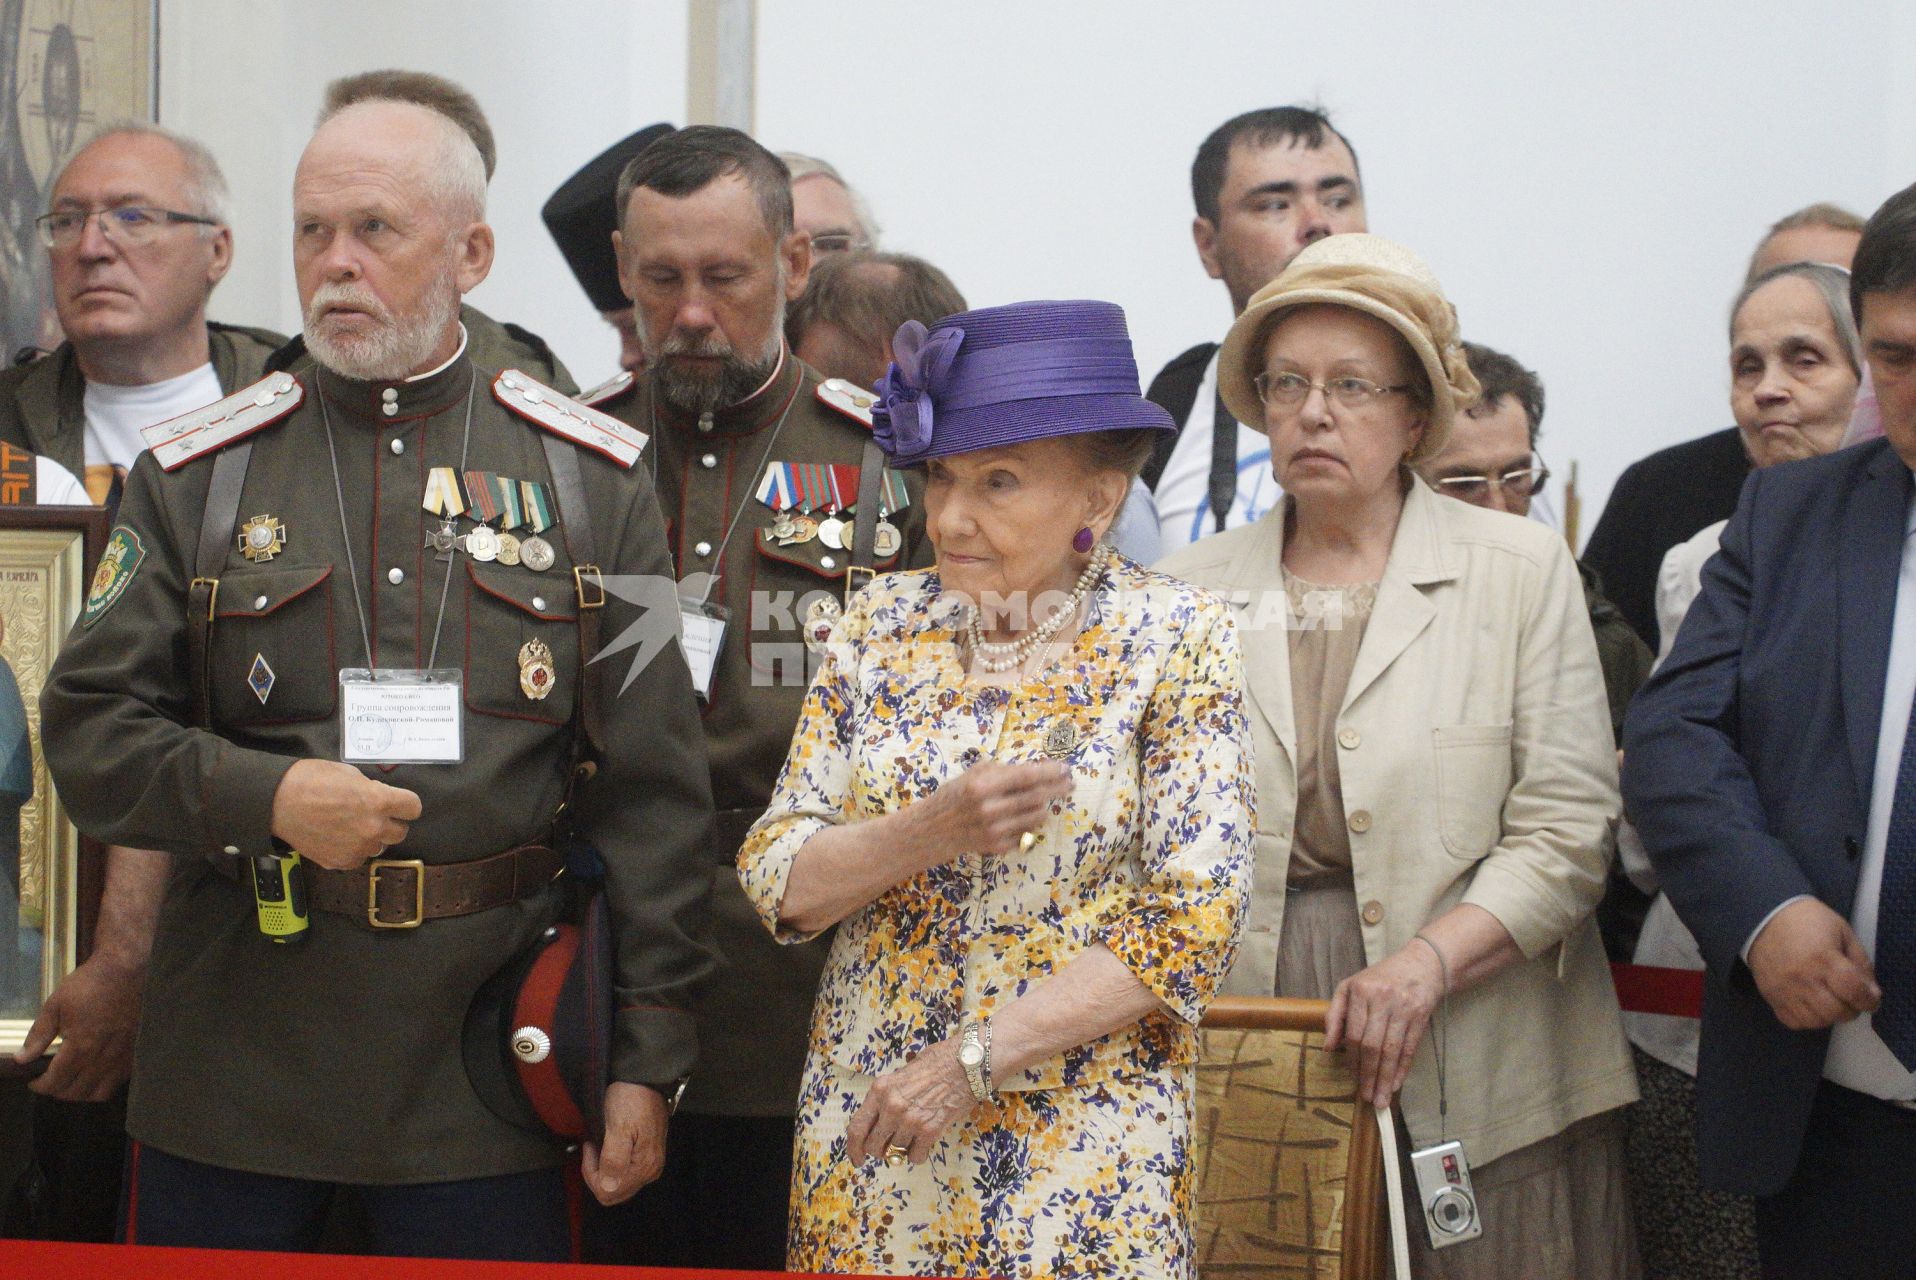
{"x":702,"y":637}
{"x":400,"y":715}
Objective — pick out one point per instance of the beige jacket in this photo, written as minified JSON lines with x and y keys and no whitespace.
{"x":1478,"y":766}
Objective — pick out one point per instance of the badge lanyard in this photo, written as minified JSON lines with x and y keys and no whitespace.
{"x":398,"y":716}
{"x":702,"y":624}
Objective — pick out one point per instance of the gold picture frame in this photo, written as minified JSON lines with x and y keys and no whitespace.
{"x":49,"y":904}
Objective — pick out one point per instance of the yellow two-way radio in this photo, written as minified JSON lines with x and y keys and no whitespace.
{"x":279,"y":893}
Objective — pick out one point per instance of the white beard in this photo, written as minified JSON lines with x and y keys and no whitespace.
{"x":396,"y":347}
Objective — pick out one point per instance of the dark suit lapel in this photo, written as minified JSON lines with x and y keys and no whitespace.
{"x":1868,"y":564}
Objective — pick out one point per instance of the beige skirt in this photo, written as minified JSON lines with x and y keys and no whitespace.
{"x":1554,"y":1210}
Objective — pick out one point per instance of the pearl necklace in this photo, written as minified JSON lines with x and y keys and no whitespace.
{"x":998,"y":658}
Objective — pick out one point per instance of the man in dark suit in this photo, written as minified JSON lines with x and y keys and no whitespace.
{"x":1667,"y":497}
{"x":1771,"y":773}
{"x":1266,"y":184}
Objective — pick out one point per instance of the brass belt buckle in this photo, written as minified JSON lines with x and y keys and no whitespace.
{"x":580,"y":574}
{"x":212,"y":586}
{"x":418,"y":869}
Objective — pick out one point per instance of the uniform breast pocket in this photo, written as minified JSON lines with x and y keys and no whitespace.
{"x":522,"y":644}
{"x":273,"y":657}
{"x":1473,"y":779}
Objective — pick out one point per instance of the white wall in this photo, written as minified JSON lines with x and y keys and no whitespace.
{"x":1587,"y":180}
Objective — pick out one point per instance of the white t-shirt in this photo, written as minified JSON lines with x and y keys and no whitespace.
{"x":55,"y":486}
{"x":1183,"y":493}
{"x":116,"y":415}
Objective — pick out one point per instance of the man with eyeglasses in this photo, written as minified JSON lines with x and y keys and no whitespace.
{"x":827,"y":208}
{"x":1491,"y":461}
{"x":136,"y":237}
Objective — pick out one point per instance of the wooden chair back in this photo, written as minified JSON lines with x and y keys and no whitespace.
{"x":1289,"y":1162}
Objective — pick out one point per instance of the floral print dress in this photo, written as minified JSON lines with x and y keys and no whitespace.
{"x":1078,"y":1166}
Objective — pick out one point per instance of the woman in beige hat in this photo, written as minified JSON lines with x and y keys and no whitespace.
{"x":1437,"y":781}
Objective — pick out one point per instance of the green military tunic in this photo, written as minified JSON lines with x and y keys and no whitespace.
{"x":338,"y":1058}
{"x":755,"y":1016}
{"x":43,"y":404}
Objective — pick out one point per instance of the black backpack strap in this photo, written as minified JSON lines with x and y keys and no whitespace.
{"x":217,"y":521}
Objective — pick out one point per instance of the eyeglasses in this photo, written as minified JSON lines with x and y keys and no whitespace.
{"x":1289,"y":390}
{"x":126,"y":224}
{"x":1524,"y":482}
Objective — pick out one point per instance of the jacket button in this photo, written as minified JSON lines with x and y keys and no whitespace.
{"x":1360,"y":821}
{"x":398,"y":446}
{"x":703,"y":549}
{"x":826,"y":562}
{"x":395,"y":575}
{"x":708,"y":461}
{"x":1373,"y":911}
{"x":1349,"y":738}
{"x":259,"y":602}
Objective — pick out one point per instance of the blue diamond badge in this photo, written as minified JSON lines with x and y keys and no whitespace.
{"x":260,"y":678}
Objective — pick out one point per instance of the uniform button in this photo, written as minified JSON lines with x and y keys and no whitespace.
{"x":1360,"y":821}
{"x":709,"y":461}
{"x":232,"y":848}
{"x":395,"y":575}
{"x":389,"y":395}
{"x":390,"y":409}
{"x":705,"y":423}
{"x":827,"y":562}
{"x":1349,"y":738}
{"x":539,"y":603}
{"x":259,"y":602}
{"x":703,"y":549}
{"x":1373,"y":911}
{"x":398,"y":445}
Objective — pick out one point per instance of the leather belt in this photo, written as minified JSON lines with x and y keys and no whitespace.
{"x":728,"y":832}
{"x":403,"y":893}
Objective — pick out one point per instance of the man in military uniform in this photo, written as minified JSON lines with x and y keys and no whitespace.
{"x":757,"y":462}
{"x":276,"y":541}
{"x":137,"y":239}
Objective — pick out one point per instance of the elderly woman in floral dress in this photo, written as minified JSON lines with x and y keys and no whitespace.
{"x":1021,"y":790}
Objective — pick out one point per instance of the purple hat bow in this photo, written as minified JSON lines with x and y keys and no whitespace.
{"x":921,"y":363}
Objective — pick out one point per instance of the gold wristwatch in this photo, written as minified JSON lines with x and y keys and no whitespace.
{"x":974,"y":1055}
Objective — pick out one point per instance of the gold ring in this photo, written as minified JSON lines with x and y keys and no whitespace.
{"x":1026,"y":841}
{"x":896,"y":1155}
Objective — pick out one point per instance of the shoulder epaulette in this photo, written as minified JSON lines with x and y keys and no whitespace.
{"x":564,"y":416}
{"x":611,"y":389}
{"x":849,"y":399}
{"x":178,"y":441}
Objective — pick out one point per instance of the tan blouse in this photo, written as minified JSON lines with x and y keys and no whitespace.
{"x":1327,"y":629}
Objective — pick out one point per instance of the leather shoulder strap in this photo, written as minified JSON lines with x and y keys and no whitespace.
{"x":575,"y":524}
{"x":217,"y":520}
{"x":871,"y":482}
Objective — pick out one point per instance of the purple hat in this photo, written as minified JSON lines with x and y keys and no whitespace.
{"x":1004,"y":375}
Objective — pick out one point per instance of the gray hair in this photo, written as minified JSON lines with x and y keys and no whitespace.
{"x":456,"y":181}
{"x":205,"y":185}
{"x":804,"y":166}
{"x":1832,"y":284}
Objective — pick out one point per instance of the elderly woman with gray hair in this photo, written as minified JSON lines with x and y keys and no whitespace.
{"x":1795,"y":367}
{"x":1437,"y":782}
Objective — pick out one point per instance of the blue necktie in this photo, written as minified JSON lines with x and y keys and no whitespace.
{"x":1895,"y":1019}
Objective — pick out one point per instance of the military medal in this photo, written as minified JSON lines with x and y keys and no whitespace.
{"x":820,"y":617}
{"x":1061,"y":740}
{"x":262,"y":538}
{"x":887,"y":540}
{"x":535,"y":553}
{"x":260,"y":679}
{"x":775,"y":491}
{"x":782,"y":528}
{"x":535,"y":669}
{"x":804,"y":529}
{"x":442,"y":493}
{"x":442,"y":540}
{"x":831,"y":530}
{"x":482,"y":544}
{"x":508,"y":549}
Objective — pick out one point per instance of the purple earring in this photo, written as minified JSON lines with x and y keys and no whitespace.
{"x":1083,"y":541}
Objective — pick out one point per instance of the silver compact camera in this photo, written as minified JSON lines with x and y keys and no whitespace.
{"x":1443,"y":1189}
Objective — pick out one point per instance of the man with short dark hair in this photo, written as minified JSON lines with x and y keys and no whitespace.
{"x":1266,"y":184}
{"x":759,"y":464}
{"x":842,"y":325}
{"x":1771,"y":771}
{"x":412,"y":554}
{"x":1667,"y":497}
